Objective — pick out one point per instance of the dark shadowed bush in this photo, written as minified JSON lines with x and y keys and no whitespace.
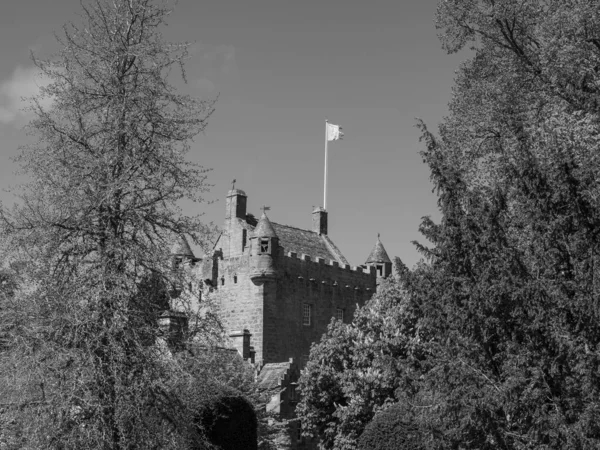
{"x":389,"y":430}
{"x":229,"y":422}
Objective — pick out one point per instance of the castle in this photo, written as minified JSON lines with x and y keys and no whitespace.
{"x":279,"y":287}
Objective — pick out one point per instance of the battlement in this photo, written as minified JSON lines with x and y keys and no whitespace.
{"x":328,"y":272}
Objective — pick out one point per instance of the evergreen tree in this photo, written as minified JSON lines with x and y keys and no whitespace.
{"x":512,"y":279}
{"x":84,"y":368}
{"x":509,"y":288}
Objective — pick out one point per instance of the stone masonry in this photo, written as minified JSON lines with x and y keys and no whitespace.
{"x":280,"y":286}
{"x":284,"y":284}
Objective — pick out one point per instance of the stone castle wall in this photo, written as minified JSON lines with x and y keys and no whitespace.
{"x":273,"y":310}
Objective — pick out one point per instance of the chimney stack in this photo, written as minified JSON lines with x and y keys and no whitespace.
{"x":319,"y":221}
{"x":241,"y":342}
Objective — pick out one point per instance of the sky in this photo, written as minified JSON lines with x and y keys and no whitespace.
{"x":280,"y":69}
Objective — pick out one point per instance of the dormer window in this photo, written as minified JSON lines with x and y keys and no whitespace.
{"x":264,"y":246}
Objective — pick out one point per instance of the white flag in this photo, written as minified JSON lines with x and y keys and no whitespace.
{"x":334,"y":132}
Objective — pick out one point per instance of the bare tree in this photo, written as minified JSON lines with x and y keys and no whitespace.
{"x":81,"y":368}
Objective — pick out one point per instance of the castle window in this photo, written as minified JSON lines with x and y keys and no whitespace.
{"x":306,"y":314}
{"x":235,"y":278}
{"x":223,"y":281}
{"x":264,"y":246}
{"x":380,"y":269}
{"x":244,"y":238}
{"x":339,"y":314}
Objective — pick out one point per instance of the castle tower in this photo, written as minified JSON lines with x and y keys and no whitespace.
{"x":380,"y":260}
{"x":279,"y":288}
{"x":173,"y":322}
{"x":235,"y":204}
{"x":265,"y":245}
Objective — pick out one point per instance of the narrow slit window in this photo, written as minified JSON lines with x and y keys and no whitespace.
{"x":306,"y":314}
{"x":293,"y":394}
{"x":244,"y":239}
{"x":222,"y":281}
{"x":235,"y":279}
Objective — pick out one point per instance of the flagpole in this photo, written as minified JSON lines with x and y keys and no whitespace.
{"x":325,"y":186}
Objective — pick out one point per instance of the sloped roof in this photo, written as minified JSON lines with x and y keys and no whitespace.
{"x":378,"y":254}
{"x":271,"y":375}
{"x":182,"y":248}
{"x":308,"y":242}
{"x":296,"y":240}
{"x":264,"y":227}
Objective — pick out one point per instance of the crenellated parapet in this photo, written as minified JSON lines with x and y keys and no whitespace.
{"x":328,"y":273}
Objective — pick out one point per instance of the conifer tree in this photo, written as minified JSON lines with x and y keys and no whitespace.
{"x":512,"y":280}
{"x":83,"y":366}
{"x":509,"y":287}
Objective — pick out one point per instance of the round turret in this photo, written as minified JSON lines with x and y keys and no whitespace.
{"x":380,"y":259}
{"x":264,"y":244}
{"x":182,"y":260}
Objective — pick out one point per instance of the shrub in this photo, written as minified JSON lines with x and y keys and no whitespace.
{"x":389,"y":430}
{"x":229,"y":422}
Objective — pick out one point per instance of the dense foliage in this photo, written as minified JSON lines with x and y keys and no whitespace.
{"x":509,"y":287}
{"x":389,"y":430}
{"x":87,"y":244}
{"x":357,"y":368}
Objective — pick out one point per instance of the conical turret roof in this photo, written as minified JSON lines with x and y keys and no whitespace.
{"x":182,"y":248}
{"x":378,"y":254}
{"x":264,"y":228}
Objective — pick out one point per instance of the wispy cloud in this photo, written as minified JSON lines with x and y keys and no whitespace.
{"x":215,"y":68}
{"x":24,"y":83}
